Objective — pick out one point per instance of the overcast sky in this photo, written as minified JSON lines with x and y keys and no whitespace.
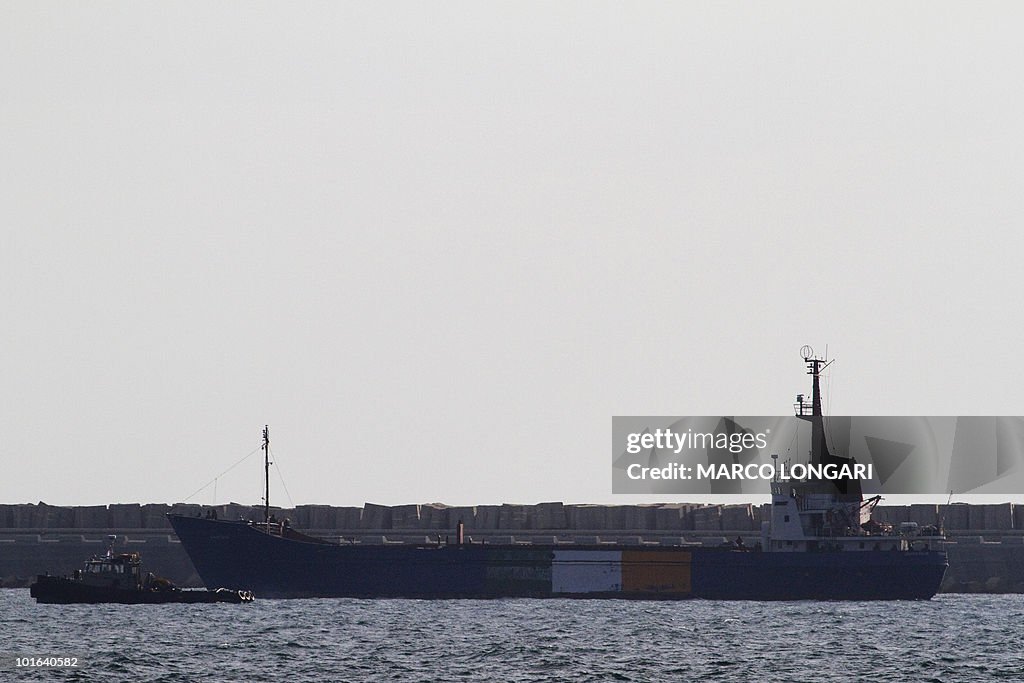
{"x":436,"y":246}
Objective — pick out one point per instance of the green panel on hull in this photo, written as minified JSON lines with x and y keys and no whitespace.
{"x":519,"y":571}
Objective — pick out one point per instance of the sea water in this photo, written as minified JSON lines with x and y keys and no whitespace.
{"x":949,"y":638}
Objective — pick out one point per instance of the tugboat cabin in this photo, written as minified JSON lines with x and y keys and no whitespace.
{"x":112,"y":571}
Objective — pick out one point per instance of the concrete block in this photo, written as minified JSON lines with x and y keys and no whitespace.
{"x":487,"y":517}
{"x":548,"y":516}
{"x":707,"y":518}
{"x":318,"y":516}
{"x":640,"y":517}
{"x":590,"y":517}
{"x":376,"y":517}
{"x":570,"y":516}
{"x":299,"y":517}
{"x":688,"y":521}
{"x":60,"y":517}
{"x":737,"y":518}
{"x":757,"y":516}
{"x":955,"y":517}
{"x":349,"y":518}
{"x":625,"y":517}
{"x":435,"y":516}
{"x":669,"y":517}
{"x":41,"y":516}
{"x":513,"y":517}
{"x":92,"y":517}
{"x":616,"y":517}
{"x":464,"y":513}
{"x":405,"y":517}
{"x":977,"y":517}
{"x":154,"y":516}
{"x":999,"y":517}
{"x":125,"y":515}
{"x":25,"y":516}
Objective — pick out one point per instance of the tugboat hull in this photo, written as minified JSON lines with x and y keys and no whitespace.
{"x":58,"y":590}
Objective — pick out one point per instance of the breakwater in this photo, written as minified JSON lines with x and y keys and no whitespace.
{"x":985,"y":542}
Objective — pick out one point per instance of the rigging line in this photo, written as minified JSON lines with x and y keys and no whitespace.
{"x":204,"y":486}
{"x":793,"y":441}
{"x":280,"y":476}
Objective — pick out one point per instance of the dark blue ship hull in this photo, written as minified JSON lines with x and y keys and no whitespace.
{"x":239,"y":554}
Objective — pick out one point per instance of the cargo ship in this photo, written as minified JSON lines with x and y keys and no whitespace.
{"x":819,"y":544}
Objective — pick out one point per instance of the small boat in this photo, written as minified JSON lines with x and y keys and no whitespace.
{"x":118,"y":578}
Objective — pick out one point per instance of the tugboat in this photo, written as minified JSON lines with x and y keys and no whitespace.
{"x":117,"y":578}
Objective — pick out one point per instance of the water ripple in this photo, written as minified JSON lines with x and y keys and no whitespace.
{"x":949,"y":639}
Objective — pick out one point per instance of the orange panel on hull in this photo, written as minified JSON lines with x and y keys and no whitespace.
{"x":657,"y":571}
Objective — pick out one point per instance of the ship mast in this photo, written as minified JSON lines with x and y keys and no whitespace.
{"x":820,"y":454}
{"x":819,"y":448}
{"x":266,"y":472}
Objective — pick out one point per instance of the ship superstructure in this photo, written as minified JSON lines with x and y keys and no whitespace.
{"x":811,"y":514}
